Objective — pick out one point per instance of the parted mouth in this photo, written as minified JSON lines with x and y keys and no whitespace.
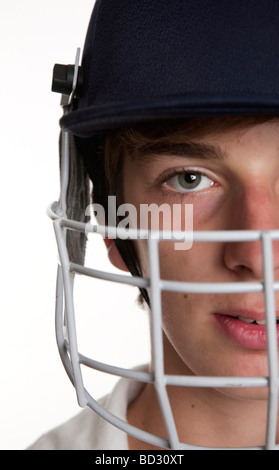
{"x":248,"y":316}
{"x":245,"y":328}
{"x":252,"y":321}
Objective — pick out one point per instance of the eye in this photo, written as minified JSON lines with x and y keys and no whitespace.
{"x":189,"y":181}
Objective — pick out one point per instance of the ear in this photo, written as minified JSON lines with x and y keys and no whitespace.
{"x":114,"y":255}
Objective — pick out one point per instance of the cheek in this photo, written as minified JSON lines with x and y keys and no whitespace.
{"x":186,"y":324}
{"x":209,"y":212}
{"x":201,"y":263}
{"x":192,"y":344}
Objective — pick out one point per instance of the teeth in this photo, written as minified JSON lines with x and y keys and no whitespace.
{"x":246,"y":320}
{"x":259,"y":322}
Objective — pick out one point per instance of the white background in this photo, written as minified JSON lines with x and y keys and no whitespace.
{"x":35,"y":393}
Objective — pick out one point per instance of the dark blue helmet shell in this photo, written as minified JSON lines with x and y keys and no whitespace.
{"x":158,"y":59}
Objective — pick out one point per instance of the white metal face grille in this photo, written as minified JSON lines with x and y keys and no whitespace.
{"x":73,"y":360}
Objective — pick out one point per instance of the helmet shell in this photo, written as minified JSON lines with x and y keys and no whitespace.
{"x":146,"y":60}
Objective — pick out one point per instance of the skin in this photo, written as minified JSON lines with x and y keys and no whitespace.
{"x":239,"y":191}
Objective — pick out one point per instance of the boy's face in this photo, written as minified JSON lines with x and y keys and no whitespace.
{"x":232,"y":180}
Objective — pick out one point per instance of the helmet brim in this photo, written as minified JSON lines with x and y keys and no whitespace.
{"x":87,"y":122}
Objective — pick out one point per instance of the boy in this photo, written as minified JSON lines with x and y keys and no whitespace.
{"x":179,"y":106}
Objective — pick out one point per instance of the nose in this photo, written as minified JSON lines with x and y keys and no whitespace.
{"x":257,"y":210}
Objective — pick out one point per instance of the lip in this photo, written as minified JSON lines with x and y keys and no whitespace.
{"x":235,"y":326}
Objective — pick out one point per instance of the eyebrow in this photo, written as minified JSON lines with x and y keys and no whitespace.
{"x":184,"y":149}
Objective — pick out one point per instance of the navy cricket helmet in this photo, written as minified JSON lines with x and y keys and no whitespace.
{"x":147,"y":60}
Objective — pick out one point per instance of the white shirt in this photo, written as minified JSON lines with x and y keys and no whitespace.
{"x":88,"y":431}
